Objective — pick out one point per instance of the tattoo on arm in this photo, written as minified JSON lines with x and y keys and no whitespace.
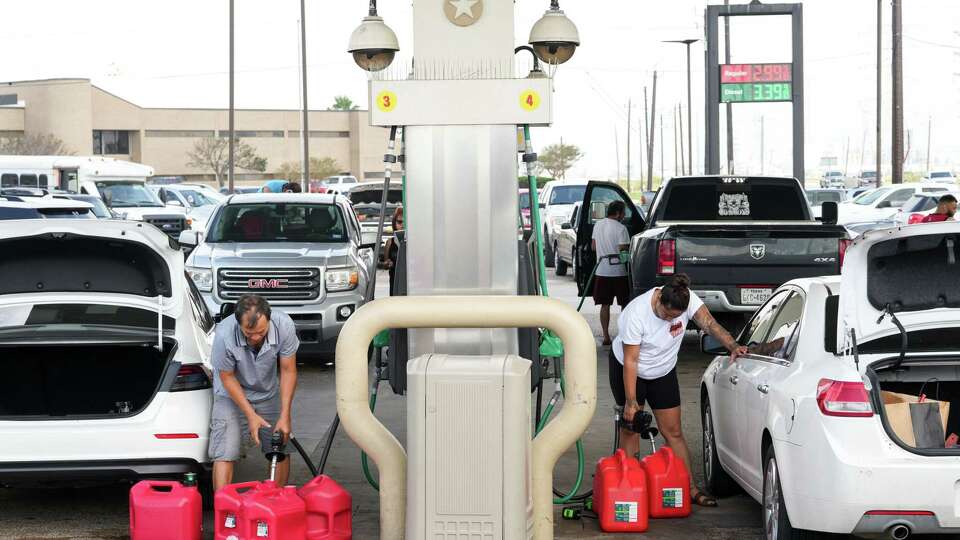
{"x":710,"y":325}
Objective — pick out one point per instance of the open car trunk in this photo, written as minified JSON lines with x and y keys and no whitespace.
{"x":895,"y":391}
{"x":58,"y":382}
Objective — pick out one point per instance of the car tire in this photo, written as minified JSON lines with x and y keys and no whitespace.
{"x":559,"y":265}
{"x":716,"y":479}
{"x":776,"y":522}
{"x":547,"y":251}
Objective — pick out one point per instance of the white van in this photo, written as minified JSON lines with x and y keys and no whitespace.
{"x":121,"y":185}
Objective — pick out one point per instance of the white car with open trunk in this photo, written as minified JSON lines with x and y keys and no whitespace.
{"x":104,"y":348}
{"x":817,"y":422}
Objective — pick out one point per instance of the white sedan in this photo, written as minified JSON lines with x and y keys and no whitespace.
{"x":809,"y":424}
{"x":882,"y":204}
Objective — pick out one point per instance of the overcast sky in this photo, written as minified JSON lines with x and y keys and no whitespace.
{"x":174,"y":54}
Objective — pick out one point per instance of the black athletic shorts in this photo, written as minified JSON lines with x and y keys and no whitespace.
{"x":608,"y":289}
{"x":660,"y":393}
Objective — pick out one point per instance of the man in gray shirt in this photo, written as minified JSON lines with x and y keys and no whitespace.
{"x":248,"y":394}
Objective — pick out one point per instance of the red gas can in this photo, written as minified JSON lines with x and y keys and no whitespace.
{"x":274,"y":513}
{"x":228,"y":510}
{"x":669,"y":484}
{"x":329,"y":509}
{"x":161,"y":509}
{"x":620,"y":494}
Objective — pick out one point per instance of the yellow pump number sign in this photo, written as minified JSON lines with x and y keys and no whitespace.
{"x":386,"y":101}
{"x":529,"y":100}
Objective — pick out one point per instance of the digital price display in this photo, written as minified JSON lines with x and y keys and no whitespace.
{"x":746,"y":83}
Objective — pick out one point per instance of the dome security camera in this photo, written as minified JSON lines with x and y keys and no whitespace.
{"x":373,"y":44}
{"x":554,"y":37}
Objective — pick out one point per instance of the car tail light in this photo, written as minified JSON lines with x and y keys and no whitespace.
{"x":843,"y":398}
{"x":176,"y":435}
{"x":899,"y":513}
{"x":844,"y":244}
{"x":191,"y":377}
{"x":914,"y":219}
{"x":667,"y":257}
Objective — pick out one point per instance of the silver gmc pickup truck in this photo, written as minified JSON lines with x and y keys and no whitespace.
{"x":301,"y":251}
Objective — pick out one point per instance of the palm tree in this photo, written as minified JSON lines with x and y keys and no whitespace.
{"x":343,"y":103}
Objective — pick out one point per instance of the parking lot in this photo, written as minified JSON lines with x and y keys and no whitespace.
{"x":101,"y":512}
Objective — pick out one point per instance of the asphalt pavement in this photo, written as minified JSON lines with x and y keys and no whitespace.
{"x":102,"y":512}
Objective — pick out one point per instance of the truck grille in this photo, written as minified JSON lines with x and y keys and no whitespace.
{"x":274,"y":284}
{"x":170,"y":225}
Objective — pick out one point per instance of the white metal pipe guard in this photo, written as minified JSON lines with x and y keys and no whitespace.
{"x":352,"y":386}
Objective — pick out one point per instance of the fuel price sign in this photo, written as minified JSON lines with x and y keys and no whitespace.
{"x":745,"y":83}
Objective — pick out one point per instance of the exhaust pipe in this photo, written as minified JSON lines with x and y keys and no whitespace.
{"x":899,"y":532}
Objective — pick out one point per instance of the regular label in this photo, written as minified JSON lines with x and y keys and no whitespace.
{"x":672,"y":497}
{"x":625,"y":512}
{"x":230,"y":522}
{"x":529,"y":100}
{"x":262,"y":529}
{"x":386,"y":101}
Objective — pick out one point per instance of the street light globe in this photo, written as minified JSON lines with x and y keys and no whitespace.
{"x":373,"y":44}
{"x":554,"y":37}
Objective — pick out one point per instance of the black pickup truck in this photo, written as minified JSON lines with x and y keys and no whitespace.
{"x":737,"y":237}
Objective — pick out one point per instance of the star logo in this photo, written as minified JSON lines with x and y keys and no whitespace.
{"x":463,"y":12}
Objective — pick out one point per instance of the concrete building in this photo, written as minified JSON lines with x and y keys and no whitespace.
{"x":91,"y":120}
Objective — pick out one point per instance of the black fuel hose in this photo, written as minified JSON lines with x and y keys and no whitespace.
{"x":303,"y":454}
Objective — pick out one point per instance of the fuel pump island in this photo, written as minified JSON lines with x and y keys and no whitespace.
{"x":459,"y":105}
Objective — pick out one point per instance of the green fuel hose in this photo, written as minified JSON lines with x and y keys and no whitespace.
{"x":363,"y":455}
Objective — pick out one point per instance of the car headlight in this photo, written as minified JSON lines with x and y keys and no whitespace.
{"x":202,"y":278}
{"x":342,"y":279}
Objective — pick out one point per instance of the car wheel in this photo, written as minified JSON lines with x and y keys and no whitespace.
{"x":547,"y":251}
{"x":559,"y":264}
{"x":776,"y":522}
{"x":717,"y":481}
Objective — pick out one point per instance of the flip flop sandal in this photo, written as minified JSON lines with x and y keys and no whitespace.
{"x":703,"y":499}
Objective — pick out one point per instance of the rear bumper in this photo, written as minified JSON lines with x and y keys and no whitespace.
{"x":718,"y":302}
{"x":879,"y":526}
{"x":80,"y":471}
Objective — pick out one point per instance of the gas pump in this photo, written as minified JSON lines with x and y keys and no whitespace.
{"x":471,"y":466}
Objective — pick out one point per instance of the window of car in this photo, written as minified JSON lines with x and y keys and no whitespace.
{"x":758,"y":328}
{"x":817,"y":198}
{"x":898,"y":197}
{"x":566,"y":194}
{"x":920,"y":203}
{"x":279,"y":222}
{"x":9,"y":180}
{"x":600,"y":199}
{"x":784,"y":334}
{"x":869,"y":197}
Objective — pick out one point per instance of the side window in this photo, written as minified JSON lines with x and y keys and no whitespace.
{"x":44,"y":182}
{"x":600,"y":199}
{"x":28,"y":180}
{"x":783,"y":336}
{"x":897,"y":198}
{"x":9,"y":180}
{"x":199,"y":306}
{"x":760,"y":325}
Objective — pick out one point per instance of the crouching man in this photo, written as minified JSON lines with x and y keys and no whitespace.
{"x":250,"y":397}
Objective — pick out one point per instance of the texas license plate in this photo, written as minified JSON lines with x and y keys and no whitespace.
{"x":754,"y":297}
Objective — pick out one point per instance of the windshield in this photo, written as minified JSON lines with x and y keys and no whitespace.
{"x":871,"y":196}
{"x":197,"y":198}
{"x":817,"y":198}
{"x":567,"y":194}
{"x":833,"y":173}
{"x":128,"y":195}
{"x":868,"y":174}
{"x":278,"y":222}
{"x":941,"y":174}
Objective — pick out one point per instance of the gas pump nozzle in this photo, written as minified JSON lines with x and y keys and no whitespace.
{"x":275,"y":455}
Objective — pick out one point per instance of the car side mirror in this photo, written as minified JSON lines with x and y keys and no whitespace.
{"x":542,"y":206}
{"x":567,"y":226}
{"x":189,"y":238}
{"x":226,"y":310}
{"x":829,"y":212}
{"x":711,"y":345}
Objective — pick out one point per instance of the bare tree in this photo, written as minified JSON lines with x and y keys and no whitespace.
{"x":319,"y":168}
{"x":44,"y":144}
{"x":211,"y":154}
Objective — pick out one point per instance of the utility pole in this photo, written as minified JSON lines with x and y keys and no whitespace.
{"x":683,"y":170}
{"x":647,"y":131}
{"x":879,"y":155}
{"x":929,"y":129}
{"x":863,"y":149}
{"x":761,"y":145}
{"x":305,"y":131}
{"x":230,"y":112}
{"x":663,"y":173}
{"x":629,"y":109}
{"x":689,"y":167}
{"x":846,"y":159}
{"x":641,"y":161}
{"x":726,"y":56}
{"x":676,"y":144}
{"x":897,"y":148}
{"x":616,"y":147}
{"x":651,"y":141}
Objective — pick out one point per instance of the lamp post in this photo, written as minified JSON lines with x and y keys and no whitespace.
{"x":688,"y":42}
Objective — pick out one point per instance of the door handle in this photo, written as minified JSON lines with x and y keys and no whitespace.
{"x":734,"y":379}
{"x":763,"y":388}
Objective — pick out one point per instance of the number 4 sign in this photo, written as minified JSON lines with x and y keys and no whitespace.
{"x":529,"y":100}
{"x":386,"y":101}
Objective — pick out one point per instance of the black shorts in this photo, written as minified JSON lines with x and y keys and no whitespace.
{"x":660,"y":393}
{"x":605,"y":289}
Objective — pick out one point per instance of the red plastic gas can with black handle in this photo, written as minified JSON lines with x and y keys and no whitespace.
{"x":668,"y":484}
{"x":620,"y":494}
{"x":163,"y":509}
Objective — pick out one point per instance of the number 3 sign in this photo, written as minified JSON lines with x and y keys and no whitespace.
{"x":386,"y":101}
{"x":529,"y":100}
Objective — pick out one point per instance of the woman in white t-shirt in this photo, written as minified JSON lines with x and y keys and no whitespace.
{"x":643,"y":362}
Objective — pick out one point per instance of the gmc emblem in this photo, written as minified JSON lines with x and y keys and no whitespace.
{"x":266,"y":283}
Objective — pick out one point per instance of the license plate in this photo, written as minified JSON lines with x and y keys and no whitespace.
{"x":754,"y":297}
